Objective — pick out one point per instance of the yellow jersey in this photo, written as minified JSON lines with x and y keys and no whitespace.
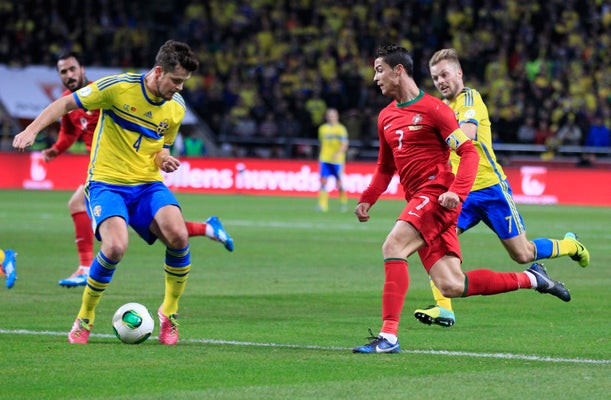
{"x":331,"y":139}
{"x":469,"y":107}
{"x":133,"y":127}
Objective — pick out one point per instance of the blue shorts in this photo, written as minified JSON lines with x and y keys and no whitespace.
{"x":329,"y":169}
{"x":494,"y":206}
{"x":137,"y":205}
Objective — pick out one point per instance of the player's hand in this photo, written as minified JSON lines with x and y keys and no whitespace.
{"x":361,"y":211}
{"x":449,"y":200}
{"x":169,"y":164}
{"x":49,"y":154}
{"x":23,"y":140}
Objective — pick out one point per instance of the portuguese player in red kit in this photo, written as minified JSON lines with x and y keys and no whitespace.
{"x":80,"y":124}
{"x":74,"y":125}
{"x":417,"y":132}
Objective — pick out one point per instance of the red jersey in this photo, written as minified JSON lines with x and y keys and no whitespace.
{"x":76,"y":124}
{"x":416,"y":138}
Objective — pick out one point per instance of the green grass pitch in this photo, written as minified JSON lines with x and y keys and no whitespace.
{"x":277,"y":318}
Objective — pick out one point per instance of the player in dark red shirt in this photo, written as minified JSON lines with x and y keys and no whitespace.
{"x":417,"y":132}
{"x":74,"y":125}
{"x":81,"y":124}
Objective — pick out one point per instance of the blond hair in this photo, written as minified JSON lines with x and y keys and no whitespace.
{"x":445,"y":54}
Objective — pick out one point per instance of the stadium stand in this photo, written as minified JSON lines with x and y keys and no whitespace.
{"x":270,"y":68}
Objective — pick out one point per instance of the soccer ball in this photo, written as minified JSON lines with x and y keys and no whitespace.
{"x":133,"y":323}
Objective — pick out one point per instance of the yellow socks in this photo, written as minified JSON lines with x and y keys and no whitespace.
{"x":323,"y":200}
{"x":566,"y":247}
{"x":440,"y":299}
{"x":91,"y":297}
{"x":343,"y":198}
{"x":175,"y":282}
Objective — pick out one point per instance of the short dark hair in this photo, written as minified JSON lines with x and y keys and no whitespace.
{"x":393,"y":55}
{"x":70,"y":54}
{"x":173,"y":53}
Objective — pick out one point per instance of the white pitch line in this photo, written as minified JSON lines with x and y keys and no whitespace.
{"x":504,"y":356}
{"x":293,"y":225}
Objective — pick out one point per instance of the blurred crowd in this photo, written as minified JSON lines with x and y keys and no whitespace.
{"x":270,"y":68}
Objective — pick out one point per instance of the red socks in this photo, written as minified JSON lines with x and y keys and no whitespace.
{"x":486,"y":282}
{"x":395,"y":287}
{"x":83,"y":237}
{"x":196,"y":228}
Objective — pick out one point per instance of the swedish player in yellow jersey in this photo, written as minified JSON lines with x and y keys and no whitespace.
{"x":490,"y":200}
{"x":333,"y":140}
{"x":140,"y":117}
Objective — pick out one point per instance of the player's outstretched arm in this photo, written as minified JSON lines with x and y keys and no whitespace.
{"x":50,"y":114}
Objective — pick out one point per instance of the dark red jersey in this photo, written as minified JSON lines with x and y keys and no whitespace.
{"x":74,"y":125}
{"x":415,"y":141}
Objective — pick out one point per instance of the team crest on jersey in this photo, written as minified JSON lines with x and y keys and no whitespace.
{"x":415,"y":120}
{"x":162,"y":127}
{"x":97,"y":211}
{"x":84,"y":92}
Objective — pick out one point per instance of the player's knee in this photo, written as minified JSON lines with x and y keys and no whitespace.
{"x":114,"y":249}
{"x":451,"y":288}
{"x":76,"y":205}
{"x":391,"y":247}
{"x":177,"y":238}
{"x":452,"y":291}
{"x":522,"y":256}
